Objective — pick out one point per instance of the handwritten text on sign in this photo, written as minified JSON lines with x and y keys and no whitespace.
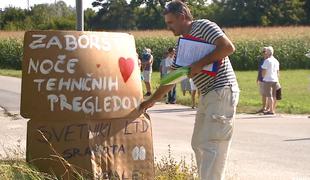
{"x":64,"y":75}
{"x":122,"y":145}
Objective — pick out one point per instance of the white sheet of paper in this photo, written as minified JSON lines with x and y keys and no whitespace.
{"x":190,"y":51}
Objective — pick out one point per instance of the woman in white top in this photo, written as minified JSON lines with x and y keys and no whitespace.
{"x":270,"y":73}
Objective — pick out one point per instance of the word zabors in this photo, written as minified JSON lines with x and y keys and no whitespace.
{"x":70,"y":42}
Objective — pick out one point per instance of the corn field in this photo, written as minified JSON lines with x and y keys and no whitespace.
{"x":291,"y":45}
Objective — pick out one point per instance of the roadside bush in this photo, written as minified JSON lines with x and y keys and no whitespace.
{"x":289,"y":52}
{"x":11,"y":52}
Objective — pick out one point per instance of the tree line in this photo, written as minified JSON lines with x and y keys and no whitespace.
{"x":147,"y":14}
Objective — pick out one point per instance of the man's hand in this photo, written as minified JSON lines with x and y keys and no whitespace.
{"x":145,"y":105}
{"x":159,"y":93}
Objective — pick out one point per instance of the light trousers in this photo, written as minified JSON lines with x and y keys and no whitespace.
{"x":213,"y":131}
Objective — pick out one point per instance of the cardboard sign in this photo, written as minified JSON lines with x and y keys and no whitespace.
{"x":98,"y":149}
{"x":79,"y":75}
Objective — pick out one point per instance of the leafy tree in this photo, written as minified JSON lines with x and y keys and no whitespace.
{"x":41,"y":16}
{"x":260,"y":12}
{"x":114,"y":14}
{"x":307,"y":10}
{"x":89,"y":15}
{"x":286,"y":12}
{"x":53,"y":16}
{"x":120,"y":14}
{"x":13,"y":19}
{"x":147,"y":14}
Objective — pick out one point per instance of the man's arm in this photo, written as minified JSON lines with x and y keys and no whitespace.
{"x":159,"y":93}
{"x":224,"y":47}
{"x":264,"y":72}
{"x":151,"y":59}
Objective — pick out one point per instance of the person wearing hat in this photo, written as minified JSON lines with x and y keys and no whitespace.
{"x":147,"y":62}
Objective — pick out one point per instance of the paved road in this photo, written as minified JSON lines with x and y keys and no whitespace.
{"x":264,"y":147}
{"x":10,"y":88}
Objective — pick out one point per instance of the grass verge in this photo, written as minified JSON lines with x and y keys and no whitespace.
{"x":295,"y":91}
{"x":167,"y":168}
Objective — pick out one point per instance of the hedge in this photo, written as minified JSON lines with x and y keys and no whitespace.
{"x":289,"y":52}
{"x":11,"y":52}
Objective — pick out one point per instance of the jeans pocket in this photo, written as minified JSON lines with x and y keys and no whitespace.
{"x":220,"y":128}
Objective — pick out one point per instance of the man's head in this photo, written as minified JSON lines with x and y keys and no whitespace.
{"x":178,"y":17}
{"x":267,"y":51}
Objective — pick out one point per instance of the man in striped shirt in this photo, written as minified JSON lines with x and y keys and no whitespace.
{"x":220,"y":93}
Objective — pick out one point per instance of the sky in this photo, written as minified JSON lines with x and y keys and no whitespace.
{"x":24,"y":3}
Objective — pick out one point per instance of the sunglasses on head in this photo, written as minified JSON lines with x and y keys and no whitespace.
{"x":172,"y":8}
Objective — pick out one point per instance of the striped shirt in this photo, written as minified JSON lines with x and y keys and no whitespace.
{"x":209,"y":32}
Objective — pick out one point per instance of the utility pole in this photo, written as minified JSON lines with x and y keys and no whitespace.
{"x":79,"y":15}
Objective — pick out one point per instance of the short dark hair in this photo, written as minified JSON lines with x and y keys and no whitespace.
{"x":170,"y":50}
{"x":178,"y":7}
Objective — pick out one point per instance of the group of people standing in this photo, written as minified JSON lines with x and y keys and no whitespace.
{"x":146,"y":63}
{"x":267,"y":78}
{"x":186,"y":85}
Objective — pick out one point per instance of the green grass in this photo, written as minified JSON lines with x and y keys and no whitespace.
{"x":296,"y":98}
{"x":295,"y":91}
{"x":19,"y":169}
{"x":10,"y":72}
{"x":166,"y":168}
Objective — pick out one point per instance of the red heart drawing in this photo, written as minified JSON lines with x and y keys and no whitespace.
{"x":98,"y":65}
{"x":126,"y":67}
